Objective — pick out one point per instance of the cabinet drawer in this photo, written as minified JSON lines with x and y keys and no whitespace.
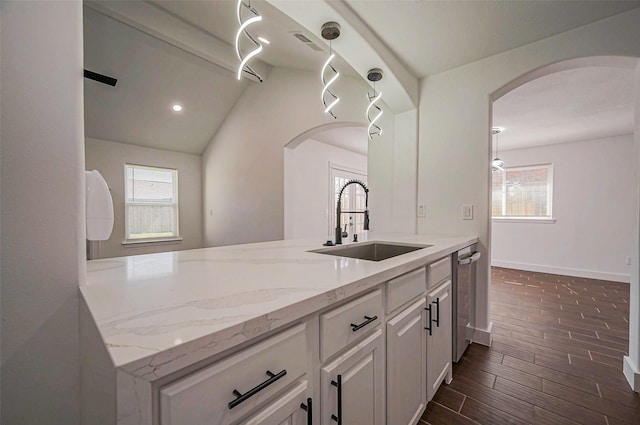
{"x":205,"y":395}
{"x":405,"y":288}
{"x":439,"y":272}
{"x":346,"y":324}
{"x":284,"y":410}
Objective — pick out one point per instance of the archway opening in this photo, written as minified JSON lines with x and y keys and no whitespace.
{"x":314,"y":165}
{"x":579,"y":220}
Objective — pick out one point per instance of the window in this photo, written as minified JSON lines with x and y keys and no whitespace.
{"x":523,"y":192}
{"x":151,"y":203}
{"x":353,"y":199}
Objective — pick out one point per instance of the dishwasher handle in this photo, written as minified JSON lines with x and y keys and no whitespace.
{"x":470,"y":259}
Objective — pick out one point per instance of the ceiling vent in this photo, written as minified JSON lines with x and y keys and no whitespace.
{"x":303,"y":38}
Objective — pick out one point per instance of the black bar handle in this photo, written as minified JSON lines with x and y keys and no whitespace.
{"x":338,"y":385}
{"x":437,"y":319}
{"x":428,"y":308}
{"x":368,"y":320}
{"x":255,"y":390}
{"x":309,"y":409}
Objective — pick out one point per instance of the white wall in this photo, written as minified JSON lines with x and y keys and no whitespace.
{"x":307,"y":187}
{"x":593,"y":204}
{"x":243,"y":166}
{"x":405,"y":171}
{"x":631,"y":365}
{"x":454,"y":133}
{"x":0,"y":221}
{"x":43,"y":210}
{"x":109,"y":158}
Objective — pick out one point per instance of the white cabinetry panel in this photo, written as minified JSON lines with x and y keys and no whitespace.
{"x":352,"y":385}
{"x":205,"y":397}
{"x":285,"y":410}
{"x":336,"y":326}
{"x":439,"y":342}
{"x":406,"y":365}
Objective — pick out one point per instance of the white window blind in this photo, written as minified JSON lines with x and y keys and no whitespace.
{"x":151,"y":203}
{"x":523,"y":192}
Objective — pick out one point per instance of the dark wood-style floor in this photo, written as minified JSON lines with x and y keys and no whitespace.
{"x":556,"y":357}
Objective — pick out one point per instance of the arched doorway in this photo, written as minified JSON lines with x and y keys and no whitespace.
{"x":631,"y":64}
{"x":313,"y":163}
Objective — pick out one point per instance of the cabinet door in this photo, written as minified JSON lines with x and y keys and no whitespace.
{"x":351,"y":388}
{"x":439,"y":342}
{"x":406,"y":365}
{"x":286,"y":410}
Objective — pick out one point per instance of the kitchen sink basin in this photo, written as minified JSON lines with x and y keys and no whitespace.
{"x":372,"y":251}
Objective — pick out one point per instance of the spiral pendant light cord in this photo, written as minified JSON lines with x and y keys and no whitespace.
{"x":329,"y":74}
{"x":373,"y":129}
{"x":374,"y":111}
{"x":329,"y":99}
{"x":242,"y":30}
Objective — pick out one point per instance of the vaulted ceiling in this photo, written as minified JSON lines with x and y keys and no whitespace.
{"x":166,"y":52}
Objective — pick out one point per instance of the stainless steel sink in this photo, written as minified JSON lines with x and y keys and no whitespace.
{"x":372,"y":251}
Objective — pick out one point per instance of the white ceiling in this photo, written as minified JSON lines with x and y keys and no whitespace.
{"x":218,"y":18}
{"x":432,"y":36}
{"x":567,"y":106}
{"x":353,"y":139}
{"x":428,"y":36}
{"x":153,"y":74}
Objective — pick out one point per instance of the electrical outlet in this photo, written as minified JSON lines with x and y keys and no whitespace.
{"x":467,"y":212}
{"x":628,"y":262}
{"x":422,"y":211}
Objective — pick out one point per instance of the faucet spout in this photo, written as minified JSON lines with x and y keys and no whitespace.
{"x":339,"y":209}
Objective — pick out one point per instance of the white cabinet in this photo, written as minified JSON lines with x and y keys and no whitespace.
{"x":351,"y":388}
{"x":227,"y":391}
{"x":438,"y":337}
{"x":346,"y":324}
{"x":369,"y":361}
{"x":405,"y":288}
{"x":406,"y":365}
{"x":290,"y":409}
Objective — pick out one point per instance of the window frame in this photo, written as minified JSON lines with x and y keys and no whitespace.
{"x":175,"y":204}
{"x":526,"y":218}
{"x":348,"y":173}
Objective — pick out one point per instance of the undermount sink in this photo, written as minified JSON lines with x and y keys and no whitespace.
{"x":372,"y":251}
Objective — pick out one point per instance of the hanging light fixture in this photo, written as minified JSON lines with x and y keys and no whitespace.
{"x":330,"y":31}
{"x":373,"y":129}
{"x":243,"y":10}
{"x":497,"y":164}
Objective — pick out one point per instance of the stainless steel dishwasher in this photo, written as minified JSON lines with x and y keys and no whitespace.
{"x":464,"y":280}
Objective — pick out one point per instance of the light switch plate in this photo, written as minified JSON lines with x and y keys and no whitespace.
{"x":422,"y":211}
{"x":467,"y":212}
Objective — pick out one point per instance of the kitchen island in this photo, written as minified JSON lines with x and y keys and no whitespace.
{"x":148,"y":320}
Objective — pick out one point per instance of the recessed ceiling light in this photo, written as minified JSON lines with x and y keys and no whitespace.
{"x":177,"y":108}
{"x":264,"y":40}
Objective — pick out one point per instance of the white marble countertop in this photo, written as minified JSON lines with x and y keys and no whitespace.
{"x":157,"y":313}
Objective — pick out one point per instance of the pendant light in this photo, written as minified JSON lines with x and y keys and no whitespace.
{"x":242,"y":11}
{"x":373,"y":129}
{"x":330,"y":31}
{"x":497,"y":164}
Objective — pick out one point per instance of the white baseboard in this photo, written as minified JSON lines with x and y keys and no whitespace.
{"x":483,"y":336}
{"x":590,"y":274}
{"x":632,"y":374}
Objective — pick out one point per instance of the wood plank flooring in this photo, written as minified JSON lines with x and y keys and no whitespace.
{"x":556,"y":357}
